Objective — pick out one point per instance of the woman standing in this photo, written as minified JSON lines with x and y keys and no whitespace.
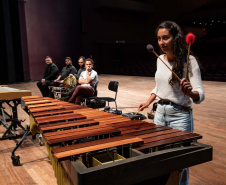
{"x":175,"y":97}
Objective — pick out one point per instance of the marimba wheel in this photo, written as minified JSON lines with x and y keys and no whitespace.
{"x":16,"y":160}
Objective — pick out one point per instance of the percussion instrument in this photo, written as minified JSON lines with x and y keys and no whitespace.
{"x":135,"y":115}
{"x":70,"y":81}
{"x":8,"y":93}
{"x":88,"y":146}
{"x":59,"y":91}
{"x":12,"y":98}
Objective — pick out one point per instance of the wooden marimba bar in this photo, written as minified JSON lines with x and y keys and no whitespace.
{"x":76,"y":137}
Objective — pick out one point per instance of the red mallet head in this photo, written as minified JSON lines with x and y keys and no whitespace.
{"x":190,"y":38}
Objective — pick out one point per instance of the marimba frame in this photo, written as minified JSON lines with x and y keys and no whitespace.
{"x":10,"y":129}
{"x":142,"y":168}
{"x":139,"y":166}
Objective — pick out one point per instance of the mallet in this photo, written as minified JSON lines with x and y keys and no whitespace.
{"x":190,"y":38}
{"x":150,"y":49}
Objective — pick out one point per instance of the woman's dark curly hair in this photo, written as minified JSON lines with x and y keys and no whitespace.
{"x":179,"y":49}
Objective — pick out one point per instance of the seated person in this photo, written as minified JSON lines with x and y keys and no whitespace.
{"x":51,"y":73}
{"x":88,"y":80}
{"x":81,"y":63}
{"x":68,"y":70}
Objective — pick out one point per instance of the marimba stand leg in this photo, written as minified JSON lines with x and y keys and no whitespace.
{"x":9,"y":133}
{"x":3,"y":120}
{"x":16,"y":159}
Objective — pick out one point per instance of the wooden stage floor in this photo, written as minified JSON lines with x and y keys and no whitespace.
{"x":209,"y":120}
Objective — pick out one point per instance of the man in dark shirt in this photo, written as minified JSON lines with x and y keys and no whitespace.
{"x":68,"y":70}
{"x":81,"y":63}
{"x":51,"y":72}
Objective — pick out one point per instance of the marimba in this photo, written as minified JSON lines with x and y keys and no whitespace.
{"x":8,"y":93}
{"x":88,"y":146}
{"x":11,"y":97}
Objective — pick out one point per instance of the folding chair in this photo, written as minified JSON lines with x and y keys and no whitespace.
{"x":112,"y":86}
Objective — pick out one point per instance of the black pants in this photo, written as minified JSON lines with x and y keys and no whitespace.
{"x":71,"y":90}
{"x":56,"y":84}
{"x":43,"y":87}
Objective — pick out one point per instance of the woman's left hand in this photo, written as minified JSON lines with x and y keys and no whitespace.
{"x":186,"y":87}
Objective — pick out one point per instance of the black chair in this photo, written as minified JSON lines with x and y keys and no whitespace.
{"x":92,"y":101}
{"x":112,"y":86}
{"x":88,"y":99}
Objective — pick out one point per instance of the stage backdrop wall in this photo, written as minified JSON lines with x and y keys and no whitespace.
{"x":53,"y":29}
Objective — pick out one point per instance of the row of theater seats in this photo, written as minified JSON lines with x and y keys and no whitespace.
{"x":211,"y":70}
{"x":141,"y":69}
